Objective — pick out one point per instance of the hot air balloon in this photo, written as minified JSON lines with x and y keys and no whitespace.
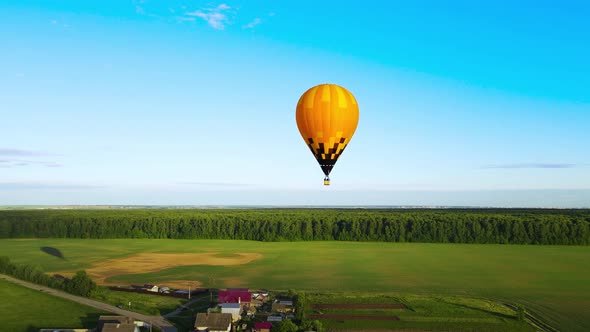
{"x":327,"y":116}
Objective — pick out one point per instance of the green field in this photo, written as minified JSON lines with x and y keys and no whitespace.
{"x":446,"y":313}
{"x":551,"y":281}
{"x":27,"y":310}
{"x":142,"y":303}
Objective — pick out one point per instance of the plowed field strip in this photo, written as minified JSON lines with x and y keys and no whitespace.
{"x":358,"y":306}
{"x":354,"y":317}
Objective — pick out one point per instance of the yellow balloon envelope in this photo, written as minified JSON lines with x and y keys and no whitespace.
{"x":327,"y":117}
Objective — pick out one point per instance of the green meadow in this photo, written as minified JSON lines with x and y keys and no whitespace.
{"x":551,"y":281}
{"x":27,"y":310}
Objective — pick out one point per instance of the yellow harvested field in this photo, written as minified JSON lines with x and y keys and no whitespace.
{"x":153,"y":262}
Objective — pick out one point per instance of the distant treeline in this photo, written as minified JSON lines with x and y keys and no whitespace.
{"x":80,"y":284}
{"x":569,"y":227}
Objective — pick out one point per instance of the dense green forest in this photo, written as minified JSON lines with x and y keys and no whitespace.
{"x":508,"y":226}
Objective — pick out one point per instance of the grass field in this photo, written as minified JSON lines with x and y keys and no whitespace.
{"x":551,"y":281}
{"x":26,"y":310}
{"x":142,"y":303}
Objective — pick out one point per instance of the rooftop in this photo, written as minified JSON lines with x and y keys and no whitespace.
{"x":106,"y":323}
{"x":262,"y":325}
{"x":116,"y":327}
{"x":213,"y":321}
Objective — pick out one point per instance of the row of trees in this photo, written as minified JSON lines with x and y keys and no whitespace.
{"x":566,"y":227}
{"x":80,"y":284}
{"x":287,"y":325}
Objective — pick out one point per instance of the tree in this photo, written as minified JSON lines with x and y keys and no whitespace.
{"x":81,"y":284}
{"x":285,"y":326}
{"x":311,"y":325}
{"x":300,"y":304}
{"x":318,"y":327}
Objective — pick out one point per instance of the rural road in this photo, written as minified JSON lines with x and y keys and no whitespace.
{"x":158,"y":321}
{"x":186,"y":305}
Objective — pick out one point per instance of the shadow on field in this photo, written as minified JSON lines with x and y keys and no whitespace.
{"x":89,"y":321}
{"x":53,"y":252}
{"x":32,"y":328}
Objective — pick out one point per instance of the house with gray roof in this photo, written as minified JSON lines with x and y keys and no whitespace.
{"x":213,"y":322}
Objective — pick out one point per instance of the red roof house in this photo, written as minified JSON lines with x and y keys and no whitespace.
{"x":234,"y":295}
{"x":262,"y":326}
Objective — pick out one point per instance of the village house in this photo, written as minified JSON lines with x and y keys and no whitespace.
{"x":116,"y":327}
{"x":235,"y":295}
{"x":234,"y":309}
{"x":118,"y":324}
{"x":262,"y":327}
{"x":213,"y":322}
{"x":260,"y":296}
{"x":258,"y":299}
{"x":283,"y":306}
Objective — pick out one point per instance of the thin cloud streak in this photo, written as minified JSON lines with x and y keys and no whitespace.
{"x":11,"y":158}
{"x":9,"y":163}
{"x":21,"y":152}
{"x":45,"y":186}
{"x":215,"y":184}
{"x":252,"y":24}
{"x":215,"y":17}
{"x":530,"y":166}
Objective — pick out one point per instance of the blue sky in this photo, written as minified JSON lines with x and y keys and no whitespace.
{"x":193,"y":102}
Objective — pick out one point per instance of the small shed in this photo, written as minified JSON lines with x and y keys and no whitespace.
{"x":151,"y":288}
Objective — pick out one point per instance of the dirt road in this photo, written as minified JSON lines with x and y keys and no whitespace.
{"x":158,"y":321}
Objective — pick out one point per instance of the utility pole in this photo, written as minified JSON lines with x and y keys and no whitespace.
{"x":189,"y":291}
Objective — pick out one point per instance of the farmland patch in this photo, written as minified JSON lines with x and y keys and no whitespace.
{"x":153,"y":262}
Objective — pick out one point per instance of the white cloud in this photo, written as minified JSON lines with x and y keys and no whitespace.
{"x":10,"y":163}
{"x":252,"y":24}
{"x":56,"y":22}
{"x":182,"y":19}
{"x":531,"y":165}
{"x":216,"y":17}
{"x":21,"y":152}
{"x":46,"y":186}
{"x":10,"y":157}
